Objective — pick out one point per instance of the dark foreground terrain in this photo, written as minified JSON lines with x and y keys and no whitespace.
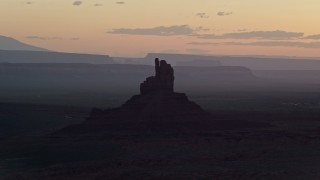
{"x":271,"y":136}
{"x":264,"y":124}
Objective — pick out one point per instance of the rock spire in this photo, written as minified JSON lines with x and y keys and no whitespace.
{"x":162,"y":81}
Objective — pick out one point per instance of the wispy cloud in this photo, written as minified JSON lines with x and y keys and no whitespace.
{"x":77,"y":3}
{"x":221,"y":13}
{"x":263,"y":43}
{"x":120,"y":2}
{"x":156,"y":31}
{"x":74,"y":39}
{"x":254,"y":35}
{"x":170,"y":51}
{"x":202,"y":33}
{"x":242,"y":30}
{"x":98,"y":4}
{"x":42,"y":38}
{"x":202,"y":15}
{"x":285,"y":43}
{"x":203,"y":43}
{"x":197,"y":51}
{"x":201,"y":29}
{"x":314,"y":36}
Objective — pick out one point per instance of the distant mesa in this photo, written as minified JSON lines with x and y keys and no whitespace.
{"x":199,"y":63}
{"x":10,"y":44}
{"x":186,"y":59}
{"x":52,"y":57}
{"x":156,"y":108}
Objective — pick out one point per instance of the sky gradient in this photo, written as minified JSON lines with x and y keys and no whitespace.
{"x":136,"y":27}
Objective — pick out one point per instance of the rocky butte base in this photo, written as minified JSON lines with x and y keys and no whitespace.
{"x":156,"y":108}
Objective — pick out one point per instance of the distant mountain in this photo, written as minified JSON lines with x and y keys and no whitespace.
{"x":8,"y":43}
{"x":251,"y":62}
{"x":51,"y":57}
{"x":254,"y":63}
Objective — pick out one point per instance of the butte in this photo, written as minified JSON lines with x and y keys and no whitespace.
{"x":156,"y":109}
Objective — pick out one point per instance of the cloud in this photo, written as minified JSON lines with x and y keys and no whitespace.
{"x":29,"y":2}
{"x":156,"y":31}
{"x":197,"y":51}
{"x":200,"y":32}
{"x":264,"y":43}
{"x":33,"y":37}
{"x":200,"y":28}
{"x":242,"y":30}
{"x":120,"y":2}
{"x":77,"y":3}
{"x":286,"y":43}
{"x":221,"y":13}
{"x":97,"y":5}
{"x":315,"y":36}
{"x":203,"y":43}
{"x":42,"y":38}
{"x":254,"y":35}
{"x":202,"y":15}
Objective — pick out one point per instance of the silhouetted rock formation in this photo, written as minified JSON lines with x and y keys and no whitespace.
{"x":162,"y":81}
{"x":157,"y":108}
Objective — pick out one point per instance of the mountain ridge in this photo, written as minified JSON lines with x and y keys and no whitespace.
{"x":11,"y":44}
{"x":7,"y":56}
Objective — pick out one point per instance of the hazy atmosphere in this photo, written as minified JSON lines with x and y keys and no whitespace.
{"x":159,"y":89}
{"x":136,"y":27}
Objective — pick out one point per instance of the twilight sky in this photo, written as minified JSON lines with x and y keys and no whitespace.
{"x":136,"y":27}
